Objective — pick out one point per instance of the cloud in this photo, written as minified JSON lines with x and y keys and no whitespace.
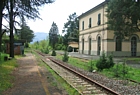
{"x":59,"y":12}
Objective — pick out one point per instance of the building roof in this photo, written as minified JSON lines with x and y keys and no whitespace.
{"x":15,"y":41}
{"x":93,"y":9}
{"x":73,"y":44}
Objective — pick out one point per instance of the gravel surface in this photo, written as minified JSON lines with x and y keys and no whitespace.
{"x":120,"y":86}
{"x":31,"y":79}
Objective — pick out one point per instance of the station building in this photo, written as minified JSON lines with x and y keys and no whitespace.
{"x":94,"y":38}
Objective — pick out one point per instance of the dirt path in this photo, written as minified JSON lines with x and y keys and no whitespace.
{"x":29,"y":80}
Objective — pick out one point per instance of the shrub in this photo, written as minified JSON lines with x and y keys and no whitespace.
{"x":121,"y":70}
{"x":46,"y":50}
{"x":53,"y":53}
{"x":104,"y":62}
{"x":70,"y":49}
{"x":91,"y":66}
{"x":110,"y":62}
{"x":65,"y":57}
{"x":26,"y":45}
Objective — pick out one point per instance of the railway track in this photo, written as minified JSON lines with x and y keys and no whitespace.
{"x":122,"y":87}
{"x":83,"y":84}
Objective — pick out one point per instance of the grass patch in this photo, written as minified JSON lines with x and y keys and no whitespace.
{"x":80,"y":63}
{"x":2,"y":55}
{"x":132,"y":59}
{"x":133,"y":73}
{"x":5,"y":74}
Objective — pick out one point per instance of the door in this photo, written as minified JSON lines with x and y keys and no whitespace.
{"x":99,"y":46}
{"x":89,"y":52}
{"x":133,"y":46}
{"x":82,"y":46}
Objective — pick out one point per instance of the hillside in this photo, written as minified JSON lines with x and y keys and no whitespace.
{"x":40,"y":36}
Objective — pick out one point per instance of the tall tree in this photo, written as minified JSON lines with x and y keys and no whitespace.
{"x":26,"y":33}
{"x":71,"y":29}
{"x":123,"y":16}
{"x":53,"y":36}
{"x":26,"y":8}
{"x":2,"y":5}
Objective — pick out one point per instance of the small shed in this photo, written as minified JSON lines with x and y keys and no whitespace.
{"x":18,"y":46}
{"x":74,"y":45}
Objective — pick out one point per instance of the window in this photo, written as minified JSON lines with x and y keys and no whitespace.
{"x":99,"y":19}
{"x":118,"y":44}
{"x":89,"y":23}
{"x":83,"y":25}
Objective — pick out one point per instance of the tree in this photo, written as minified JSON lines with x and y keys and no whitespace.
{"x":2,"y":5}
{"x":71,"y":30}
{"x":26,"y":33}
{"x":123,"y":16}
{"x":27,"y":8}
{"x":53,"y":37}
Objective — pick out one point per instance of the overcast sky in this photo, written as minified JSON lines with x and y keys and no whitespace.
{"x":59,"y":12}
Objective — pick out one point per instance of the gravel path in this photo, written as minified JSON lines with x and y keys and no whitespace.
{"x":31,"y":79}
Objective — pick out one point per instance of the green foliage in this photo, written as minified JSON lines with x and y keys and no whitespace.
{"x":26,"y":33}
{"x":104,"y":62}
{"x":26,"y":45}
{"x":53,"y":53}
{"x":123,"y":16}
{"x":46,"y":50}
{"x":2,"y":55}
{"x":70,"y":49}
{"x":121,"y":71}
{"x":65,"y":57}
{"x":91,"y":66}
{"x":71,"y":29}
{"x":5,"y":76}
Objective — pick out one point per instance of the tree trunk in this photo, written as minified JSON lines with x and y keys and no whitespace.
{"x":1,"y":10}
{"x":11,"y":30}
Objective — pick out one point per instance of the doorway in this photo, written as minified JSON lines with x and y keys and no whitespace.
{"x":133,"y":46}
{"x":82,"y":46}
{"x":89,"y":52}
{"x":99,"y":46}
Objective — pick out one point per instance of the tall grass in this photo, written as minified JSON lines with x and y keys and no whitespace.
{"x":5,"y":74}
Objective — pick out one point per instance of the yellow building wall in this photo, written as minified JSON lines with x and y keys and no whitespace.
{"x":108,"y":42}
{"x":94,"y":19}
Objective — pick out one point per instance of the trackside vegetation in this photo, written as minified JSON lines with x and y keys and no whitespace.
{"x":58,"y":82}
{"x":117,"y":71}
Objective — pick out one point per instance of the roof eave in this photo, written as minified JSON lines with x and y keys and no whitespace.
{"x":94,"y":8}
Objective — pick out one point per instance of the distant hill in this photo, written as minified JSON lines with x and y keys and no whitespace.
{"x":39,"y":36}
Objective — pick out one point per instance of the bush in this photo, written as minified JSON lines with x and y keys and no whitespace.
{"x":46,"y":50}
{"x":70,"y":49}
{"x":65,"y":57}
{"x":26,"y":45}
{"x":53,"y":53}
{"x":104,"y":62}
{"x":121,"y":70}
{"x":91,"y":66}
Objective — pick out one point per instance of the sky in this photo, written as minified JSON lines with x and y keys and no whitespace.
{"x":59,"y":12}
